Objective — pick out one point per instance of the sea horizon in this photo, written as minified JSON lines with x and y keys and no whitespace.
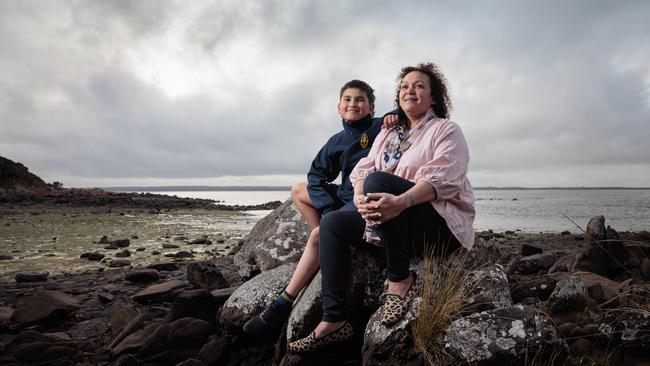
{"x":286,"y":188}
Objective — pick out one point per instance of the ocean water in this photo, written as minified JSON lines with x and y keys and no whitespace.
{"x":500,"y":210}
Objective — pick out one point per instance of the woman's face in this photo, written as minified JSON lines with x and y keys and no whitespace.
{"x":354,"y":105}
{"x":415,"y":94}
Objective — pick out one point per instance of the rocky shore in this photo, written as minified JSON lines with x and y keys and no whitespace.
{"x":98,"y":198}
{"x":541,"y":299}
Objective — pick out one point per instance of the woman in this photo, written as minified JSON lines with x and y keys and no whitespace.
{"x":411,"y":192}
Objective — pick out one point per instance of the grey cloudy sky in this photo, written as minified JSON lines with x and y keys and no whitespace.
{"x":102,"y":93}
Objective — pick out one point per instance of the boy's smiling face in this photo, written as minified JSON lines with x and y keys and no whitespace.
{"x":354,"y":105}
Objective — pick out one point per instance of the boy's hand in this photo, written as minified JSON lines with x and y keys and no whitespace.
{"x":390,"y":120}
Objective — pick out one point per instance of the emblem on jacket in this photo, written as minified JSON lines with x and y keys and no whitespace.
{"x":363,"y":141}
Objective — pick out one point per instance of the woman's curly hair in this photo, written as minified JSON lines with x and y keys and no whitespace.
{"x":438,"y":82}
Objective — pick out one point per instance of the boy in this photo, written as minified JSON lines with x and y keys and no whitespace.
{"x":320,"y":196}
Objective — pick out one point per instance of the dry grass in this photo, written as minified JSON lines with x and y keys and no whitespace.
{"x":446,"y":286}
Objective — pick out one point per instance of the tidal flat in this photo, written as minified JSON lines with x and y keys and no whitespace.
{"x":52,"y":239}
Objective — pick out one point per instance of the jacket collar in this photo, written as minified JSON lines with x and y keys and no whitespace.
{"x":356,"y":126}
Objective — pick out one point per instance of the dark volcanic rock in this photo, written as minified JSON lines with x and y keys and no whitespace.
{"x":205,"y":275}
{"x":123,"y":254}
{"x":170,"y":266}
{"x":143,"y":275}
{"x":182,"y":334}
{"x":45,"y":306}
{"x":36,"y":276}
{"x":119,"y":263}
{"x":121,"y":243}
{"x":528,"y":249}
{"x":92,"y":256}
{"x":538,"y":287}
{"x":532,"y":264}
{"x":198,"y":304}
{"x":605,"y":254}
{"x":159,"y":292}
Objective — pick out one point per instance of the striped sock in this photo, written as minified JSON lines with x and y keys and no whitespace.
{"x":285,"y":298}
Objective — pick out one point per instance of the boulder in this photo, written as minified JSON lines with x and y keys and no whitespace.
{"x":605,"y":253}
{"x":45,"y":306}
{"x":504,"y":336}
{"x":115,"y":263}
{"x":538,"y":287}
{"x":133,"y":342}
{"x":532,"y":264}
{"x":390,"y":345}
{"x":34,"y":276}
{"x":123,"y":254}
{"x":120,"y":316}
{"x":121,"y":243}
{"x":182,"y":334}
{"x":142,"y":276}
{"x":34,"y":348}
{"x":213,"y":351}
{"x":277,"y":239}
{"x":255,"y":294}
{"x":528,"y":249}
{"x":205,"y":275}
{"x":628,"y":327}
{"x":198,"y":304}
{"x":568,"y":295}
{"x":491,"y":289}
{"x":159,"y":292}
{"x":170,"y":266}
{"x":599,"y":288}
{"x":92,"y":256}
{"x":307,"y":311}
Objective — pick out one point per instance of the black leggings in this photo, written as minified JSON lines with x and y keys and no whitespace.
{"x":406,"y":235}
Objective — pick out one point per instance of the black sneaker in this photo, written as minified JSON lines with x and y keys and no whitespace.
{"x":268,"y":323}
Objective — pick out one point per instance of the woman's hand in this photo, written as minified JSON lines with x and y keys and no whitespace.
{"x":390,"y":120}
{"x":377,"y":208}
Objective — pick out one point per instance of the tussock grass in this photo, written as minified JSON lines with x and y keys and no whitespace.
{"x":446,"y":288}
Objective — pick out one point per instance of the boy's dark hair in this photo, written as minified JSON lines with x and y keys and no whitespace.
{"x":438,"y":82}
{"x":361,"y":85}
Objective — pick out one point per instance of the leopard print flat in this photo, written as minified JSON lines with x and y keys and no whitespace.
{"x":311,"y":343}
{"x":395,"y":306}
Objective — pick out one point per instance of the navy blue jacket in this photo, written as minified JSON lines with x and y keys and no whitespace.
{"x":339,"y":155}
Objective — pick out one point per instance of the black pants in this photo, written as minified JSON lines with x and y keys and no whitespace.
{"x":406,"y":235}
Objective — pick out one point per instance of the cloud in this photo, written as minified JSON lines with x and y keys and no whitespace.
{"x":96,"y":92}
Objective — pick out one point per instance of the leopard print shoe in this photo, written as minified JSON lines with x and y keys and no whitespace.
{"x":395,"y":306}
{"x":311,"y":343}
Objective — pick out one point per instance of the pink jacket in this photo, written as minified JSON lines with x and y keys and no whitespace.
{"x":439,"y":156}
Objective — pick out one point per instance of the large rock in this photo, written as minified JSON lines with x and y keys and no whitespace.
{"x":568,"y":295}
{"x":307,"y":311}
{"x":198,"y":304}
{"x":182,"y":334}
{"x":599,"y":288}
{"x":390,"y":345}
{"x":276,"y":239}
{"x":34,"y":276}
{"x":533,"y":264}
{"x":605,"y":254}
{"x":538,"y":287}
{"x":630,"y":328}
{"x":159,"y":292}
{"x":205,"y":275}
{"x":491,"y":289}
{"x":45,"y":306}
{"x":34,"y":348}
{"x":504,"y":336}
{"x":255,"y":294}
